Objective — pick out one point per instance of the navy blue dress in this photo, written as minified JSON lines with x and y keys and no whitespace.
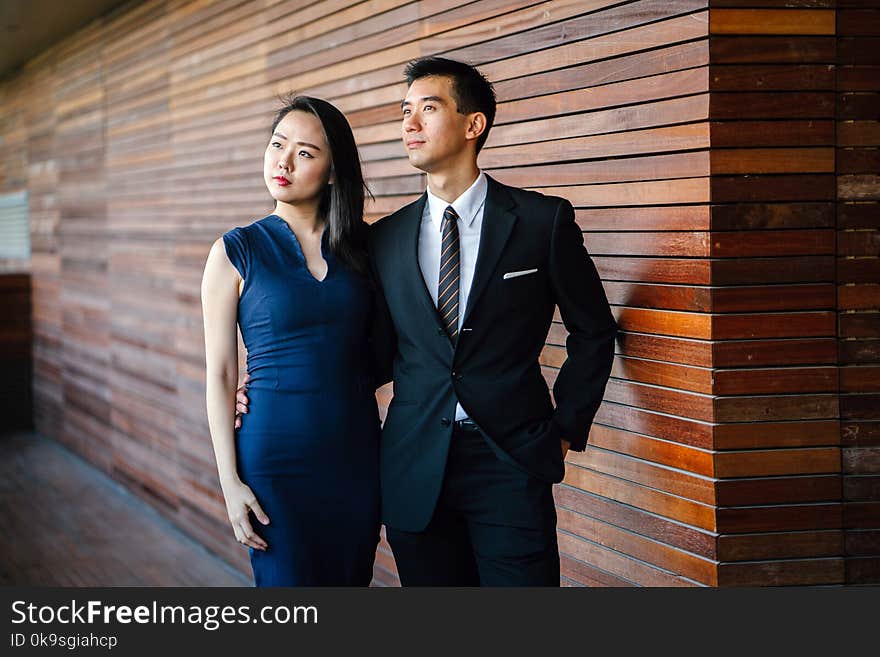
{"x":309,"y":445}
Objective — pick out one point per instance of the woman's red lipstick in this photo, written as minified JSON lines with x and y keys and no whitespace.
{"x":281,"y":180}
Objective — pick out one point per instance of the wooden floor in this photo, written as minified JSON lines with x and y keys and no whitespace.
{"x":64,"y":523}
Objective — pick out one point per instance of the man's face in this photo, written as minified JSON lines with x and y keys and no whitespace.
{"x":434,"y":133}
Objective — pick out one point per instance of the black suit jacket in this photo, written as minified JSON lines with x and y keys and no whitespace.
{"x":493,"y":368}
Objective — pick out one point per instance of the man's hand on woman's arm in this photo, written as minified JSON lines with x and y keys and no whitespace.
{"x":241,"y":401}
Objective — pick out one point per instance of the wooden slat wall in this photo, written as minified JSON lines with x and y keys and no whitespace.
{"x":858,"y":279}
{"x":624,"y":135}
{"x":702,"y":171}
{"x":78,"y":149}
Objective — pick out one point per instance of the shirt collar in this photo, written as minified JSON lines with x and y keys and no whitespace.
{"x":467,"y":206}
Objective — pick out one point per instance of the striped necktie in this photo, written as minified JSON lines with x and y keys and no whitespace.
{"x":447,"y":289}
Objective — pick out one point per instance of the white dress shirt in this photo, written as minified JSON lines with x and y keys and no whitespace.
{"x":469,"y":207}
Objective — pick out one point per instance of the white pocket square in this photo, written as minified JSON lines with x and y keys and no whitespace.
{"x":514,"y":274}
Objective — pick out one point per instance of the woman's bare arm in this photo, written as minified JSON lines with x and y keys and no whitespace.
{"x":220,"y":292}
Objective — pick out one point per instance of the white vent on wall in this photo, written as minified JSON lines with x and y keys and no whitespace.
{"x":15,"y":238}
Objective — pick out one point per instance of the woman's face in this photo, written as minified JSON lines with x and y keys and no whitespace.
{"x":296,"y":166}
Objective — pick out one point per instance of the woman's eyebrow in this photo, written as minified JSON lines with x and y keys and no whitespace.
{"x":301,"y":143}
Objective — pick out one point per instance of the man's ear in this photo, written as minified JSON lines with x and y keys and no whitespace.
{"x":476,"y":125}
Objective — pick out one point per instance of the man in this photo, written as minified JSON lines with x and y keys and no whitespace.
{"x":470,"y":274}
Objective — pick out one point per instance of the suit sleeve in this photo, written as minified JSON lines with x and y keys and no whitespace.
{"x":586,"y":314}
{"x":383,"y":338}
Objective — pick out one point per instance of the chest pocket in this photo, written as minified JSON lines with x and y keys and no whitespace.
{"x":523,"y":288}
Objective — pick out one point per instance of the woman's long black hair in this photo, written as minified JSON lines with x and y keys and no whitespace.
{"x":342,"y":205}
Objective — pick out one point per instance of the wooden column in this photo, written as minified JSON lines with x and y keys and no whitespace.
{"x":776,"y":435}
{"x":858,"y":280}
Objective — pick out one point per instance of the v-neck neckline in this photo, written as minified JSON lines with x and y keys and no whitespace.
{"x":302,"y":254}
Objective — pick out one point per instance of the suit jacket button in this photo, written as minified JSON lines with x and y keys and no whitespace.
{"x":445,"y":422}
{"x":457,"y":376}
{"x":441,"y":331}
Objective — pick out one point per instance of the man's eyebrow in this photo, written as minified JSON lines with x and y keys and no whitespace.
{"x":436,"y":99}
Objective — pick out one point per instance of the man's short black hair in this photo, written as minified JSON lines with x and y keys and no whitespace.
{"x":471,"y":90}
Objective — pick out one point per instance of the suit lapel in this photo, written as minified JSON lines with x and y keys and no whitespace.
{"x":498,"y":223}
{"x":410,"y":271}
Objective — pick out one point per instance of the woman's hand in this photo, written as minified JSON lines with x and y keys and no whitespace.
{"x":240,"y":500}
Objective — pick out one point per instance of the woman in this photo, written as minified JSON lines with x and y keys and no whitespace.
{"x":305,"y":460}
